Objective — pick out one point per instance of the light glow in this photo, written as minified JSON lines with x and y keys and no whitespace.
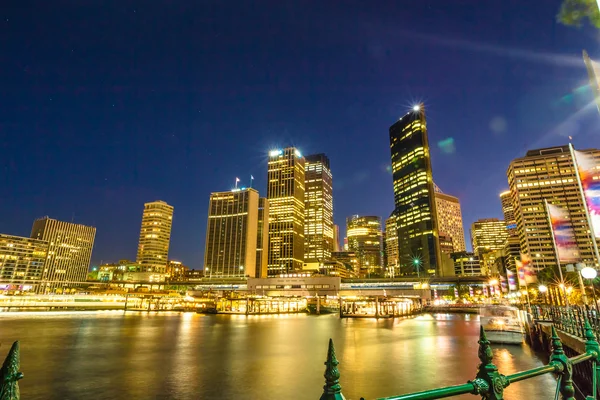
{"x":416,"y":107}
{"x":589,"y":273}
{"x":275,"y":153}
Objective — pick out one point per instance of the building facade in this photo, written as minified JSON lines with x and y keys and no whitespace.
{"x":414,"y":198}
{"x":232,"y":234}
{"x":391,"y":248}
{"x":548,"y":174}
{"x":450,"y":222}
{"x":262,"y":238}
{"x":488,"y":235}
{"x":69,"y":252}
{"x":155,"y":237}
{"x":285,"y":191}
{"x":22,"y":262}
{"x":466,"y":264}
{"x":509,"y":213}
{"x":319,"y":231}
{"x":365,"y":239}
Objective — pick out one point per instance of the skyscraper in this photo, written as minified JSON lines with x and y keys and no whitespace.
{"x":262,"y":238}
{"x":22,"y":261}
{"x":232,"y":235}
{"x":365,"y":239}
{"x":318,"y":209}
{"x":414,"y":198}
{"x":69,"y":251}
{"x":155,"y":235}
{"x":285,"y":191}
{"x":449,"y":218}
{"x":548,"y":174}
{"x":391,"y":239}
{"x":336,"y":238}
{"x":509,"y":212}
{"x":488,"y":235}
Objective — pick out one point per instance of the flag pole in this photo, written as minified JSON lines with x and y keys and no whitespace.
{"x":252,"y":178}
{"x":585,"y":205}
{"x":236,"y":182}
{"x":562,"y":280}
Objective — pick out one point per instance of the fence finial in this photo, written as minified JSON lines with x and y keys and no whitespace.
{"x":558,"y":357}
{"x":10,"y":375}
{"x":332,"y":389}
{"x":489,"y":382}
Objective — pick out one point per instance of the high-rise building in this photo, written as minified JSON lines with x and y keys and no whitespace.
{"x":509,"y":212}
{"x":232,"y":234}
{"x":155,"y":235}
{"x":285,"y":191}
{"x":69,"y":251}
{"x":365,"y":239}
{"x":391,"y":239}
{"x":488,"y":235}
{"x":414,"y":198}
{"x":318,"y":209}
{"x":466,"y":264}
{"x":262,"y":238}
{"x":446,"y":244}
{"x":548,"y":174}
{"x":22,"y":262}
{"x":449,"y":219}
{"x":336,"y":238}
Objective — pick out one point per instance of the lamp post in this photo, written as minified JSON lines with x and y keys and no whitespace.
{"x":590,"y":273}
{"x":543,"y":289}
{"x":417,"y":263}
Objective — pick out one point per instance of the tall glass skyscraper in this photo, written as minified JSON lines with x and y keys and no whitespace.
{"x":366,"y":240}
{"x":155,"y":236}
{"x":414,"y":195}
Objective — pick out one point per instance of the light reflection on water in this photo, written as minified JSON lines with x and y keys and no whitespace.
{"x":108,"y":355}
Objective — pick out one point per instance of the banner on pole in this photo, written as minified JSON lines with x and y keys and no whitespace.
{"x":589,"y":175}
{"x":564,"y":236}
{"x":512,"y":283}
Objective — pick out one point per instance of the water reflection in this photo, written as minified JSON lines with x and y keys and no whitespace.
{"x":191,"y":356}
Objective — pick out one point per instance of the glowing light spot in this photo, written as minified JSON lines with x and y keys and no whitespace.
{"x":447,"y":145}
{"x":416,"y":107}
{"x":274,"y":153}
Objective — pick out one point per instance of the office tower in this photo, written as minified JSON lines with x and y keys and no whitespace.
{"x":509,"y":212}
{"x":365,"y":239}
{"x":22,"y":262}
{"x":449,"y":219}
{"x":391,"y":239}
{"x":176,"y":271}
{"x":488,"y":235}
{"x":155,"y":235}
{"x":69,"y":251}
{"x":466,"y":264}
{"x":414,"y":197}
{"x":592,"y":70}
{"x":262,"y":238}
{"x":336,"y":238}
{"x":232,"y":234}
{"x":285,"y":191}
{"x":318,"y":209}
{"x":548,"y":174}
{"x":446,"y":244}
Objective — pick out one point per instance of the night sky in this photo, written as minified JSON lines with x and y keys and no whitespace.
{"x":105,"y":105}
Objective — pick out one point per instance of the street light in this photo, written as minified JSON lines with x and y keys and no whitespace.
{"x":416,"y":262}
{"x":590,"y":273}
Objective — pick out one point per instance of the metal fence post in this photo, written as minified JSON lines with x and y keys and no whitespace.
{"x":10,"y":375}
{"x":489,"y":383}
{"x":566,"y":368}
{"x":332,"y":389}
{"x":592,"y":347}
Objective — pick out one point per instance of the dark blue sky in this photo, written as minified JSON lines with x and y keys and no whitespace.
{"x":105,"y":105}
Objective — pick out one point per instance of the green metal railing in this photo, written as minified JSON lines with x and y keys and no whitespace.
{"x":568,"y":319}
{"x":489,"y":383}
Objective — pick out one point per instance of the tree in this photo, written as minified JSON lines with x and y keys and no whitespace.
{"x":574,"y":12}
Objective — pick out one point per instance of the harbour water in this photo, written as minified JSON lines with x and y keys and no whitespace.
{"x":117,"y":356}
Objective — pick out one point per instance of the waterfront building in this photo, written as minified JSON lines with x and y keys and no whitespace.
{"x":548,"y":174}
{"x":414,"y":196}
{"x":176,"y":271}
{"x":466,"y":264}
{"x":262,"y":238}
{"x":285,"y":191}
{"x":509,"y":212}
{"x":365,"y":239}
{"x":22,"y":262}
{"x":450,"y":222}
{"x":318,"y":209}
{"x":155,"y":236}
{"x":194,"y":275}
{"x":391,"y":249}
{"x":301,"y":284}
{"x":349,"y":259}
{"x":69,"y":252}
{"x":232,"y":234}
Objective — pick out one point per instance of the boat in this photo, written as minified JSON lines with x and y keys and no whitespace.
{"x":502,"y":324}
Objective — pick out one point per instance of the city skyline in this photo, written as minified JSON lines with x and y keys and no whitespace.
{"x":114,"y":138}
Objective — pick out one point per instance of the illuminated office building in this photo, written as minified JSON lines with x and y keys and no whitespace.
{"x":69,"y":252}
{"x":365,"y":239}
{"x":414,"y":196}
{"x":548,"y":174}
{"x":232,"y":235}
{"x":446,"y":244}
{"x":509,"y":212}
{"x":155,"y":235}
{"x":391,"y":241}
{"x":318,"y":209}
{"x":285,"y":191}
{"x":449,"y":219}
{"x":488,"y":235}
{"x":466,"y":264}
{"x":22,"y":262}
{"x":336,"y":238}
{"x":262,"y":238}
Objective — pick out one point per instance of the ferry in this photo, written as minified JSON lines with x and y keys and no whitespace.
{"x":502,"y":324}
